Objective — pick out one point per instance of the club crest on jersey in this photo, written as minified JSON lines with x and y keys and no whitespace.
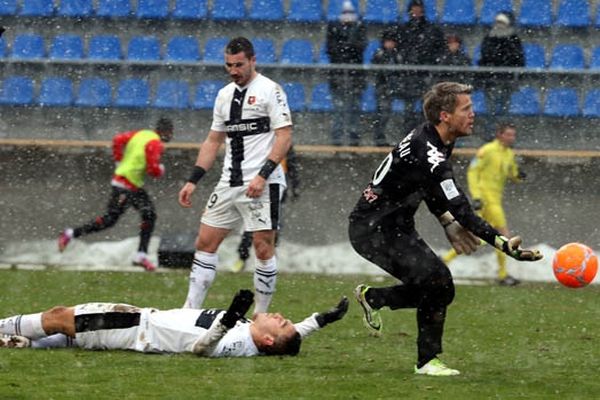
{"x":434,"y":156}
{"x":251,"y":100}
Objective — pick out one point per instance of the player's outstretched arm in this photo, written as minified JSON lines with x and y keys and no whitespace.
{"x":513,"y":248}
{"x":319,"y":320}
{"x":334,"y":314}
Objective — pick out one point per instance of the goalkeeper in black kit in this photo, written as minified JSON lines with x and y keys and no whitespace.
{"x":382,"y":226}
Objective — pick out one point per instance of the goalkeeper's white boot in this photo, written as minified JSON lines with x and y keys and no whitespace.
{"x":14,"y":341}
{"x":436,"y":368}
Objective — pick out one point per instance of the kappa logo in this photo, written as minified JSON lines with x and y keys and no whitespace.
{"x":434,"y":156}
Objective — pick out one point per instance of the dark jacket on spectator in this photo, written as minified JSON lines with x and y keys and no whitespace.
{"x":456,"y":59}
{"x":383,"y":56}
{"x":501,"y":47}
{"x":420,"y":43}
{"x":346,"y":43}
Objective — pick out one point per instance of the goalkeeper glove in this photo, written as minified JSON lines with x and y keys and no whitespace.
{"x":335,"y":314}
{"x":239,"y":307}
{"x":512,"y":247}
{"x":461,"y":239}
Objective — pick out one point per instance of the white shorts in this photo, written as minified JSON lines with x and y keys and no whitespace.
{"x":107,"y":326}
{"x":227,"y":206}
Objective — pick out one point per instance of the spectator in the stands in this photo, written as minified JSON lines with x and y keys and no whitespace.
{"x":345,"y":43}
{"x":420,"y":43}
{"x":501,"y":47}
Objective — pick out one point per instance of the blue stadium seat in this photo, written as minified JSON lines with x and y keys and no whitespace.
{"x":264,"y":50}
{"x":334,"y":9}
{"x":133,"y":93}
{"x":567,"y":56}
{"x":320,"y":100}
{"x":591,"y":104}
{"x":114,"y":9}
{"x":398,"y":106}
{"x":296,"y":96}
{"x":431,"y":11}
{"x":8,"y":7}
{"x":561,"y":102}
{"x":458,"y":12}
{"x":297,"y":51}
{"x":573,"y":14}
{"x":17,"y":90}
{"x":479,"y":104}
{"x":491,"y":8}
{"x":214,"y":49}
{"x":37,"y":8}
{"x":190,"y":9}
{"x":2,"y":48}
{"x":105,"y":47}
{"x":323,"y":57}
{"x":143,"y":48}
{"x":368,"y":103}
{"x":172,"y":94}
{"x":27,"y":46}
{"x":305,"y":11}
{"x":535,"y":55}
{"x":370,"y":50}
{"x":66,"y":47}
{"x":152,"y":9}
{"x":266,"y":10}
{"x":381,"y":11}
{"x":56,"y":92}
{"x":94,"y":92}
{"x":206,"y":93}
{"x":525,"y":101}
{"x":182,"y":48}
{"x":75,"y":8}
{"x":476,"y":56}
{"x":595,"y":60}
{"x":536,"y":13}
{"x":228,"y":10}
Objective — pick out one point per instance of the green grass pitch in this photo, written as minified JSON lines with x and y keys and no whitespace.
{"x":536,"y":341}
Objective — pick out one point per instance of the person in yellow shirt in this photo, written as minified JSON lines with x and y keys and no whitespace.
{"x":136,"y":153}
{"x":487,"y":174}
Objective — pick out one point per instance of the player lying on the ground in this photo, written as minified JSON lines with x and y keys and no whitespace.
{"x":207,"y":332}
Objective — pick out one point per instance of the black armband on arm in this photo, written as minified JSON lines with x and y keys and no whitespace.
{"x":197,"y":174}
{"x":267,"y":169}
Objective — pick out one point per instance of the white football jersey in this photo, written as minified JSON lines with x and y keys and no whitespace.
{"x":148,"y":330}
{"x":249,"y":116}
{"x":178,"y":331}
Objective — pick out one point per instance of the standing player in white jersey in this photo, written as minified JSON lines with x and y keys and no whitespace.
{"x":251,"y":116}
{"x":208,"y":333}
